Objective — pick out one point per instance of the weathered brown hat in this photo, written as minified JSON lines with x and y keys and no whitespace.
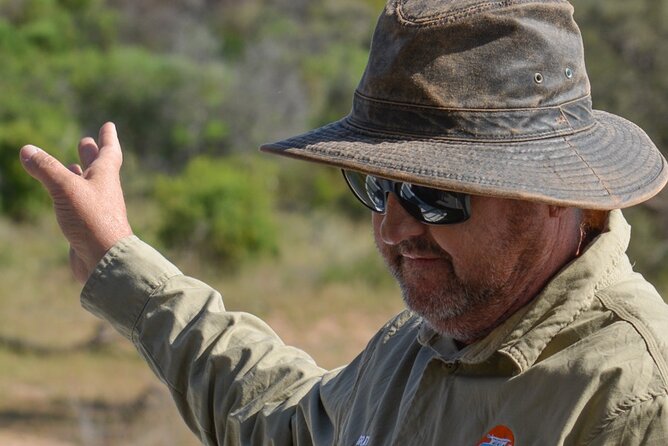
{"x":489,"y":98}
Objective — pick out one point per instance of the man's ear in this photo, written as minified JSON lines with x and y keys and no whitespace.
{"x":594,"y":220}
{"x":590,"y":219}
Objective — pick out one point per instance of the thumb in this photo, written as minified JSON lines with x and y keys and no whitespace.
{"x":45,"y":168}
{"x":110,"y":147}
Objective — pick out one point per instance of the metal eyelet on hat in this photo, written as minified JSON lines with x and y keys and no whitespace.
{"x":569,"y":73}
{"x":538,"y":78}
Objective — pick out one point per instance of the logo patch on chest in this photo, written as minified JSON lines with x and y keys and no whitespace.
{"x":498,"y":436}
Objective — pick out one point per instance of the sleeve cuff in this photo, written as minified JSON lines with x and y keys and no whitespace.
{"x":123,"y":282}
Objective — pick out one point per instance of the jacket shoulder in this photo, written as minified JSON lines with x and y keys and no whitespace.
{"x":635,"y":365}
{"x":637,"y":305}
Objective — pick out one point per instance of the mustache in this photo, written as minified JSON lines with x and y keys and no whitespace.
{"x":422,"y":247}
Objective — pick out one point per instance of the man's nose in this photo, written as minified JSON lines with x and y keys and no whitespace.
{"x":397,"y":224}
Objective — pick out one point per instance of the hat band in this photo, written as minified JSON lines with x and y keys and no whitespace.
{"x":470,"y":124}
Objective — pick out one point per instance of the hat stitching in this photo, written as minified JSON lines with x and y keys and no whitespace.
{"x":466,"y":188}
{"x":498,"y":138}
{"x":351,"y":137}
{"x":408,"y":105}
{"x":516,"y":123}
{"x":353,"y":133}
{"x":600,"y":180}
{"x":360,"y":158}
{"x":459,"y":14}
{"x":420,"y":171}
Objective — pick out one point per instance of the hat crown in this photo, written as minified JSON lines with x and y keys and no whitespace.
{"x":473,"y":54}
{"x":487,"y":98}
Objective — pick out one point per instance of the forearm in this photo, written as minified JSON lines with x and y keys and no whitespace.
{"x":224,"y":369}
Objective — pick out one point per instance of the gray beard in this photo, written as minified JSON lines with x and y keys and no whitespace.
{"x":442,"y":307}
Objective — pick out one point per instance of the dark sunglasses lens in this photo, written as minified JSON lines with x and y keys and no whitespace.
{"x":368,"y":189}
{"x":428,"y":205}
{"x":436,"y":206}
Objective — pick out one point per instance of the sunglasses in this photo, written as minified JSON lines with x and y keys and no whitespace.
{"x":428,"y":205}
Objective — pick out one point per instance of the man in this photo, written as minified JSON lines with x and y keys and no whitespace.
{"x":495,"y":192}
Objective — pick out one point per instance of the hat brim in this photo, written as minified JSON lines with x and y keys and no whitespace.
{"x":611,"y":165}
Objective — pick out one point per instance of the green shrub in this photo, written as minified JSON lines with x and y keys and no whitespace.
{"x":221,"y":208}
{"x":167,"y":109}
{"x":21,"y":197}
{"x":35,"y":108}
{"x":305,"y":187}
{"x":38,"y":105}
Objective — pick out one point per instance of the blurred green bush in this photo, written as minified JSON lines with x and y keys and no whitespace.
{"x":167,"y":109}
{"x":221,"y":208}
{"x":65,"y":71}
{"x":304,"y":187}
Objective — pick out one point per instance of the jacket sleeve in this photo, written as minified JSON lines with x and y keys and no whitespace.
{"x":231,"y":377}
{"x":644,"y":422}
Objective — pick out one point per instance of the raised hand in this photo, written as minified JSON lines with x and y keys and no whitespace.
{"x":87,"y":198}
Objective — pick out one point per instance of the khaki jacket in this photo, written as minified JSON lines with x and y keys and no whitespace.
{"x":585,"y":363}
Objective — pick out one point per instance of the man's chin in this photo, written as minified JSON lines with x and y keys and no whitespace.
{"x":439,"y":309}
{"x":457,"y":327}
{"x":451,"y":312}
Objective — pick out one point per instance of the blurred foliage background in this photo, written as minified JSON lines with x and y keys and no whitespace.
{"x":195,"y":86}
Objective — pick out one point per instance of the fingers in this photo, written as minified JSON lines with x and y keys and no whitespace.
{"x":88,"y":152}
{"x":53,"y":175}
{"x":108,"y":135}
{"x":45,"y":168}
{"x":75,"y":169}
{"x":110,"y":147}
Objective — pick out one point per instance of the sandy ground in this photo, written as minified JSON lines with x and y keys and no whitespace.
{"x":19,"y":439}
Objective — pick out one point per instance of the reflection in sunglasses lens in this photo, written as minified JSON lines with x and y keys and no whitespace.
{"x":375,"y":193}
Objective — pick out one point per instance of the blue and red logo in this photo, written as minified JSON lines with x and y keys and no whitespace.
{"x":498,"y":436}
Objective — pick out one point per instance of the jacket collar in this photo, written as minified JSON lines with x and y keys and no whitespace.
{"x":515,"y":345}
